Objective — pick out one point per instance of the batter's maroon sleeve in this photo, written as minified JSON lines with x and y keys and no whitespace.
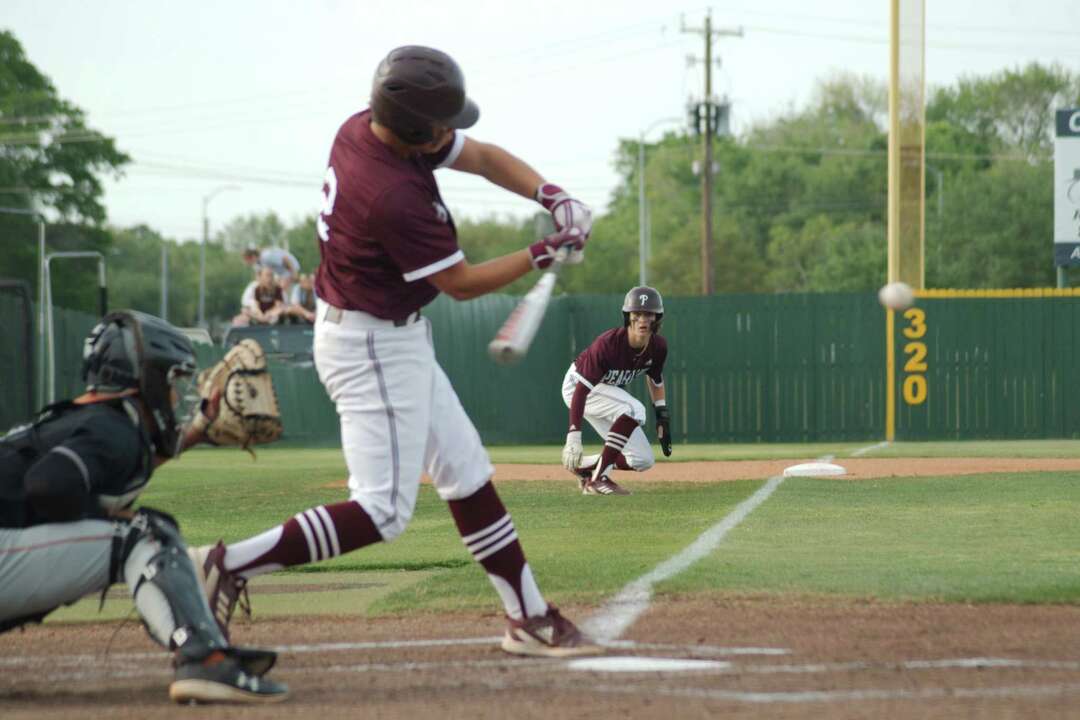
{"x":577,"y":405}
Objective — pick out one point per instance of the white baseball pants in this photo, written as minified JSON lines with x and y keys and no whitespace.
{"x":400,"y":417}
{"x":603,"y":406}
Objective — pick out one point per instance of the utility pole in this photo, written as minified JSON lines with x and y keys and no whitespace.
{"x":165,"y":281}
{"x":711,"y":117}
{"x":202,"y":249}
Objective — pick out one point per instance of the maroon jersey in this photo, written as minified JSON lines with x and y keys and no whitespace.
{"x":610,"y":359}
{"x":383,"y":226}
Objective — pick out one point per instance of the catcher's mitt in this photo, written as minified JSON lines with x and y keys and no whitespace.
{"x":248,"y":412}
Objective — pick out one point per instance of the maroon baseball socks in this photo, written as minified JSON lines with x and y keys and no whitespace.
{"x":318,"y":533}
{"x":611,"y":457}
{"x":488,"y":532}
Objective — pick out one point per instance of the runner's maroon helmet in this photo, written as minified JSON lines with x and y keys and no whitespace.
{"x":643,"y":299}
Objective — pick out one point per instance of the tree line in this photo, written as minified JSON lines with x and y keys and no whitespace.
{"x":799,"y":205}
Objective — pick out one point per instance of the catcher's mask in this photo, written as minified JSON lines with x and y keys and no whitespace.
{"x":417,"y":89}
{"x":132,"y":350}
{"x":643,"y":299}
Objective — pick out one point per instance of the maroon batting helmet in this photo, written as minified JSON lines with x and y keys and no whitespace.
{"x":643,"y":299}
{"x":417,"y":88}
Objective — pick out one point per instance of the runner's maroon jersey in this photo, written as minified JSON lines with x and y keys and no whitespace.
{"x":610,"y":359}
{"x":383,"y":227}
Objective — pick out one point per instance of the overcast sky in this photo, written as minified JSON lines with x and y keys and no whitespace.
{"x":250,"y":93}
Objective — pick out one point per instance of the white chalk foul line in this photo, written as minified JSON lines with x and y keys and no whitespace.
{"x":973,"y":663}
{"x":139,"y":668}
{"x":85,"y":659}
{"x":870,"y":448}
{"x":837,"y":696}
{"x":619,"y":613}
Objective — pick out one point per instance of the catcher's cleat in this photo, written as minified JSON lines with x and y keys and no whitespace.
{"x":223,"y":589}
{"x":603,"y":485}
{"x":221,"y":679}
{"x":549,"y":635}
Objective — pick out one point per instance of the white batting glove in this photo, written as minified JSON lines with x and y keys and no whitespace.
{"x":566,"y":212}
{"x":571,"y":452}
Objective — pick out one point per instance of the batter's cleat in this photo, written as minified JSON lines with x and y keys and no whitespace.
{"x":221,"y":679}
{"x":223,"y":589}
{"x":603,"y":485}
{"x":548,"y":635}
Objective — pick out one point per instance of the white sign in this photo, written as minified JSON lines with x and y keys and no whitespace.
{"x":1067,"y":188}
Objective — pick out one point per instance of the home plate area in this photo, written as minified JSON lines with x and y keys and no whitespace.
{"x":685,"y":657}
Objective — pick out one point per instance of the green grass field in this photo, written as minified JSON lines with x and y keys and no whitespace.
{"x":987,"y":538}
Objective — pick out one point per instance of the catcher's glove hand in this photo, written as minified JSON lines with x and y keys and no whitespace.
{"x":248,"y":412}
{"x":663,"y":428}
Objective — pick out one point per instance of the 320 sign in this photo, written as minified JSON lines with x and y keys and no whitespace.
{"x":915,"y":387}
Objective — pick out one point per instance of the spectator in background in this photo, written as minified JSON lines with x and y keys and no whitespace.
{"x":282,"y":262}
{"x":262,"y":302}
{"x":302,"y":300}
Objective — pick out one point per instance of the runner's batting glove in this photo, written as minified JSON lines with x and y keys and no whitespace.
{"x":571,"y":452}
{"x":663,"y":428}
{"x":544,"y":252}
{"x":566,"y":212}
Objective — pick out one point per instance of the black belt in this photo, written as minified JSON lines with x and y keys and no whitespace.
{"x":408,"y":319}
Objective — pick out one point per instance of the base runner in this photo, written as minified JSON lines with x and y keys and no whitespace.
{"x":593,"y":390}
{"x":389,"y":247}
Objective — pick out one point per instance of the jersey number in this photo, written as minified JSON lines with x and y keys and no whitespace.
{"x":329,"y":195}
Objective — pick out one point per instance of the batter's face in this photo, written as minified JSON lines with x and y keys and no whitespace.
{"x":640,"y":330}
{"x":442,"y":136}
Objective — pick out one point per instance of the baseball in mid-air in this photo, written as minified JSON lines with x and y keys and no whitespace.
{"x":897,"y":296}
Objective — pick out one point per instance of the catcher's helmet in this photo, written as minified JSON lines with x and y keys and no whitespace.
{"x":132,"y":350}
{"x":643,"y":299}
{"x":417,"y":88}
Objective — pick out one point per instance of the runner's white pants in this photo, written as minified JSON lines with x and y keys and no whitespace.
{"x":400,"y":417}
{"x":603,"y":406}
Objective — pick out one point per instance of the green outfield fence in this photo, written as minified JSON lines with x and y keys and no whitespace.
{"x":747,"y":368}
{"x":998,"y":364}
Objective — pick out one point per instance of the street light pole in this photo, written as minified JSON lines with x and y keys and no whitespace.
{"x":40,"y":220}
{"x":643,"y":217}
{"x":202,"y":249}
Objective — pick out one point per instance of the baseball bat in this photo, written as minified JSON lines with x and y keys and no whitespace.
{"x":513,"y":339}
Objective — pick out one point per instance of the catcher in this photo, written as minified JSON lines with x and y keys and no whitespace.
{"x":593,"y":389}
{"x":67,"y":528}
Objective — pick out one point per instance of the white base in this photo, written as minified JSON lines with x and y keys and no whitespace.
{"x":814,"y":469}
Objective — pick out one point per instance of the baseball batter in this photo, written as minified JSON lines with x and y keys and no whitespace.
{"x":389,"y":247}
{"x":67,"y":482}
{"x":593,"y":390}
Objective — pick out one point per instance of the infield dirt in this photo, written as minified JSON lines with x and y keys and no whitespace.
{"x":857,"y":468}
{"x":843,"y":659}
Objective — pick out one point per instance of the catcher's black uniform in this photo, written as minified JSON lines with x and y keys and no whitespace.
{"x":75,"y":462}
{"x":66,"y":483}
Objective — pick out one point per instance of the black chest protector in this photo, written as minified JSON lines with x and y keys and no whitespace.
{"x":119,"y":455}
